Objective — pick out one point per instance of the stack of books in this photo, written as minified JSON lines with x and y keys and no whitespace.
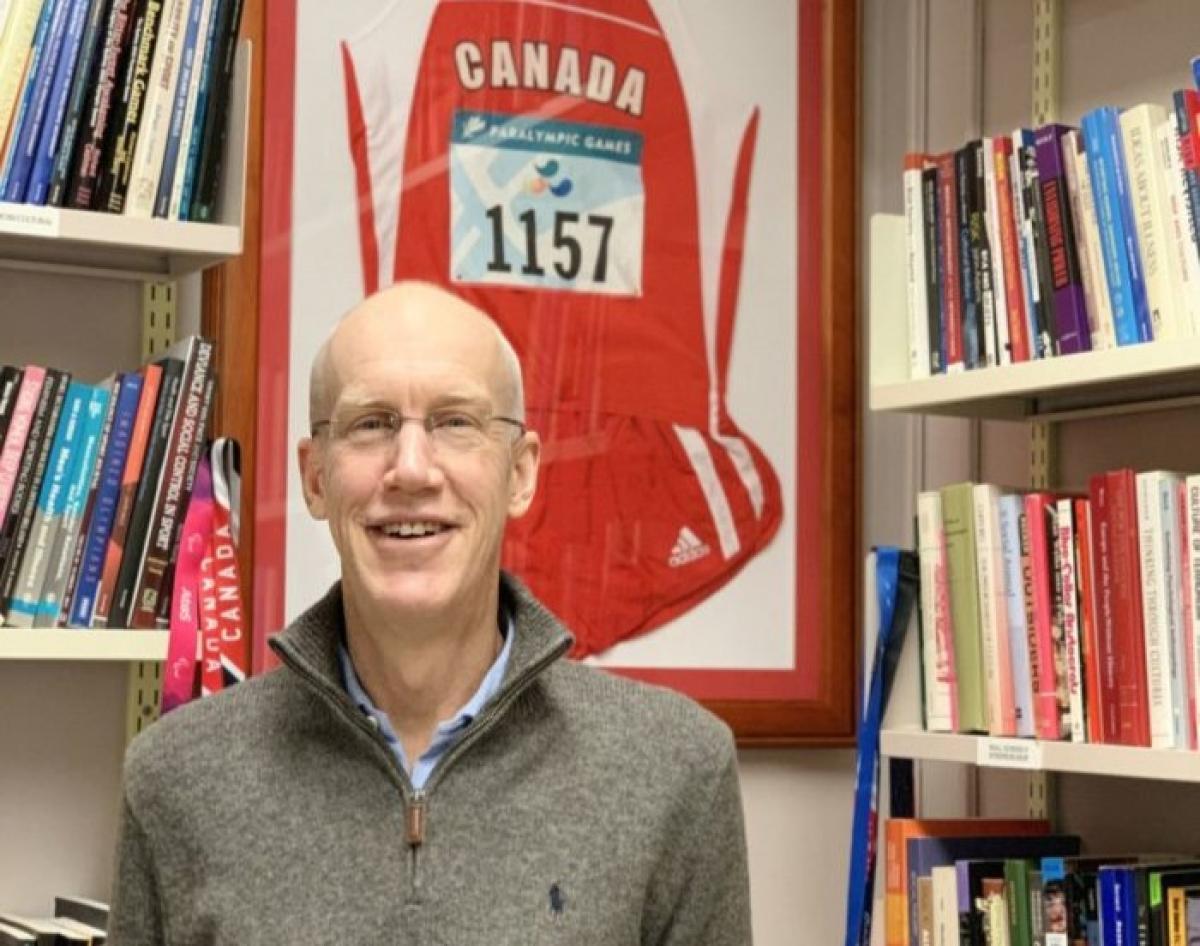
{"x":1056,"y":240}
{"x":1064,"y":615}
{"x":116,"y":105}
{"x":94,"y":485}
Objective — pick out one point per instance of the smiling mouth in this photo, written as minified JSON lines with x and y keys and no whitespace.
{"x":410,"y":530}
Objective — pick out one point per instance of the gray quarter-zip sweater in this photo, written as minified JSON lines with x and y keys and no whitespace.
{"x":579,"y":808}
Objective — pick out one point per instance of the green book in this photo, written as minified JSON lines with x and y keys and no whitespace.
{"x":1020,"y":922}
{"x":958,"y":519}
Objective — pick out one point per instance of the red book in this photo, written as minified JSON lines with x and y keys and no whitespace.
{"x":1018,"y":327}
{"x":1041,"y":519}
{"x":948,"y":249}
{"x":1093,"y":695}
{"x":1122,"y":642}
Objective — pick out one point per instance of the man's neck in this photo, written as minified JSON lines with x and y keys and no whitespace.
{"x":420,"y":671}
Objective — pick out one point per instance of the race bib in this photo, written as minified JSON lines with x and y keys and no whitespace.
{"x":544,"y":204}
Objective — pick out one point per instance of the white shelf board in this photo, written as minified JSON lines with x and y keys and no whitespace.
{"x":1165,"y":764}
{"x":78,"y":644}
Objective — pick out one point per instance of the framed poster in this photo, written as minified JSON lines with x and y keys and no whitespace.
{"x":656,"y":201}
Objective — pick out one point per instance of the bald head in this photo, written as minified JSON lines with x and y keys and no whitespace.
{"x":409,"y":323}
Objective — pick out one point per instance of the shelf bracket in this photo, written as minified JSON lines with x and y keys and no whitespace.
{"x":159,"y":321}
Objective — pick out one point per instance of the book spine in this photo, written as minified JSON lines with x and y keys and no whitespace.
{"x":29,"y":479}
{"x":1146,"y":211}
{"x":143,"y":505}
{"x":184,"y":105}
{"x":1066,"y":289}
{"x":16,"y":42}
{"x":24,"y":409}
{"x":35,"y":557}
{"x":933,"y":273}
{"x":50,"y":136}
{"x":79,"y":481}
{"x":1039,"y":255}
{"x":1172,"y":601}
{"x":915,"y":267}
{"x":1192,"y":592}
{"x":82,"y":81}
{"x":1038,"y":508}
{"x":1011,"y":509}
{"x":1154,"y":612}
{"x":958,"y":521}
{"x":967,"y":253}
{"x":114,"y":178}
{"x":147,"y":160}
{"x":179,"y":469}
{"x":991,"y":218}
{"x":938,"y":650}
{"x":1185,"y":103}
{"x":1014,"y":292}
{"x":993,"y":612}
{"x":952,"y":314}
{"x":1088,"y":638}
{"x":1184,"y":255}
{"x":103,"y":103}
{"x":1029,"y":288}
{"x":1069,"y":589}
{"x":1091,"y":254}
{"x":23,"y":120}
{"x":181,"y":202}
{"x":10,"y":383}
{"x":216,"y":121}
{"x":1137,"y":277}
{"x":1060,"y":660}
{"x":985,"y":302}
{"x":108,"y":492}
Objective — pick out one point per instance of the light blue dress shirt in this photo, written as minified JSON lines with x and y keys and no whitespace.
{"x":448,"y":732}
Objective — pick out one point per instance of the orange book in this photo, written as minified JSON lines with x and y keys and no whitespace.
{"x":896,"y":834}
{"x":129,"y":483}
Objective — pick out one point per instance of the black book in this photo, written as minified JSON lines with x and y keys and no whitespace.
{"x":81,"y":81}
{"x":964,"y":176}
{"x":933,"y":263}
{"x":143,"y":503}
{"x":216,"y":119}
{"x":981,"y":246}
{"x":1043,"y":307}
{"x":10,"y":383}
{"x":29,"y":477}
{"x":103,"y":102}
{"x":117,"y":162}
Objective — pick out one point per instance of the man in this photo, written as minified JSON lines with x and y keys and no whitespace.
{"x":425,"y":768}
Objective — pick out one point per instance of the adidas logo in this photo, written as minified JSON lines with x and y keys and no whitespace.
{"x":687,"y":548}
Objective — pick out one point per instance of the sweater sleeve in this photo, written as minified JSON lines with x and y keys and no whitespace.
{"x":712,"y":907}
{"x":135,"y":918}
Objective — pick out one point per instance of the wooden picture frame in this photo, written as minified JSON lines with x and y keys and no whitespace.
{"x":813,"y":703}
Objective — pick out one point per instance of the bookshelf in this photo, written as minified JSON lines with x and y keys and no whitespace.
{"x":75,"y":644}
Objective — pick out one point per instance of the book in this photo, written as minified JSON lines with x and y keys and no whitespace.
{"x":147,"y":162}
{"x":104,"y":512}
{"x":993,"y":612}
{"x":1048,"y":708}
{"x":1089,"y":648}
{"x":23,"y":410}
{"x":991,"y":217}
{"x":203,"y":206}
{"x":183,"y":107}
{"x":1190,"y":531}
{"x":1068,"y":583}
{"x":82,"y":81}
{"x":193,"y":119}
{"x":47,"y":519}
{"x":1072,"y":332}
{"x":16,"y":40}
{"x":1020,"y":920}
{"x":951,"y":300}
{"x":945,"y":905}
{"x":933,"y":271}
{"x":131,"y":474}
{"x":10,"y":383}
{"x":1095,"y":295}
{"x":1009,"y":243}
{"x":1182,"y":250}
{"x":897,"y":833}
{"x":958,"y":521}
{"x":937,"y":632}
{"x":1023,"y":172}
{"x":916,"y":266}
{"x":925,"y":911}
{"x":1161,"y":883}
{"x":103,"y":103}
{"x":993,"y":910}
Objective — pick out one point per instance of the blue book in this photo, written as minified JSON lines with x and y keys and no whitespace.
{"x":64,"y":73}
{"x":1118,"y":906}
{"x":52,"y":497}
{"x":108,"y":492}
{"x":191,"y":39}
{"x":39,"y":80}
{"x":95,"y":413}
{"x":1137,"y":279}
{"x":207,"y":71}
{"x":23,"y":106}
{"x":924,"y":854}
{"x":1196,"y":70}
{"x":1101,"y":131}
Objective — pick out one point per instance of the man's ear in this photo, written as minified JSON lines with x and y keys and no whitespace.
{"x":311,"y":457}
{"x":527,"y":454}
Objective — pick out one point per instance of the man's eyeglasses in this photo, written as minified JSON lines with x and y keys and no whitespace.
{"x":455,"y":430}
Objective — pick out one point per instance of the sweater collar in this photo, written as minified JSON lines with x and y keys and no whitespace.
{"x":310,"y":643}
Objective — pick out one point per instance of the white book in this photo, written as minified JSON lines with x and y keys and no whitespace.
{"x":937,"y":634}
{"x":1024,"y":249}
{"x":945,"y":905}
{"x":1184,"y":255}
{"x":1011,"y":512}
{"x":915,"y":269}
{"x":1068,"y":585}
{"x":15,"y":39}
{"x":1147,"y":185}
{"x":993,"y":612}
{"x":1104,"y":333}
{"x":1155,"y":611}
{"x":1192,"y":592}
{"x":1172,"y":585}
{"x":156,"y":112}
{"x":992,"y":220}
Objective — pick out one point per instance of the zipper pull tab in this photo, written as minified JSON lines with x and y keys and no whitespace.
{"x":415,"y":822}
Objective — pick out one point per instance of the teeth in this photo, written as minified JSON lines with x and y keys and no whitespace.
{"x":408,"y":529}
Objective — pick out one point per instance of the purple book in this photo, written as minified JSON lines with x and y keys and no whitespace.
{"x":1071,"y":332}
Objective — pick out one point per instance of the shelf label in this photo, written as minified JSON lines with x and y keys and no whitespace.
{"x":29,"y":220}
{"x":1010,"y":753}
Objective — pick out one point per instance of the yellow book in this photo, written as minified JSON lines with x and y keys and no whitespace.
{"x":15,"y":43}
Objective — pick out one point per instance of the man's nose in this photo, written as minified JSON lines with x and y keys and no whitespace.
{"x":414,"y":463}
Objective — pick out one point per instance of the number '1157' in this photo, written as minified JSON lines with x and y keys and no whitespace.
{"x":566,"y":223}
